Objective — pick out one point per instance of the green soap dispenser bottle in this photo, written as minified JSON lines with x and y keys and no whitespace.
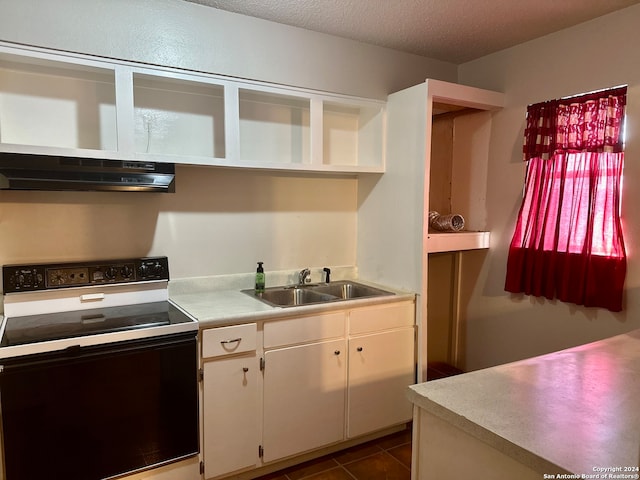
{"x":260,"y":278}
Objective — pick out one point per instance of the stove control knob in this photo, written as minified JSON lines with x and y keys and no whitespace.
{"x":143,"y":270}
{"x":158,"y":269}
{"x":126,"y":271}
{"x":111,"y":273}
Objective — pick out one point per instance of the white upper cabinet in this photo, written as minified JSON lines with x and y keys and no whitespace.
{"x":76,"y":105}
{"x":274,"y":128}
{"x":352,"y":135}
{"x":178,"y":117}
{"x":50,"y":106}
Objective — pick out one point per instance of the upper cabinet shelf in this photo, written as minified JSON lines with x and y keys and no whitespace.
{"x":274,"y":128}
{"x":353,"y":135}
{"x":178,"y":117}
{"x":76,"y":105}
{"x":57,"y":105}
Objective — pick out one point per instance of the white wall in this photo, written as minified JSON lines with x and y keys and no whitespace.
{"x":191,"y":36}
{"x":220,"y":221}
{"x":217,"y":222}
{"x":598,"y":54}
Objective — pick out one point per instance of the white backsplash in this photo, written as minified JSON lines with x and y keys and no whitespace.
{"x":241,"y":281}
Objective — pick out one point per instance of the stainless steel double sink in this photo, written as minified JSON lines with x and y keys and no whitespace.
{"x":298,"y":295}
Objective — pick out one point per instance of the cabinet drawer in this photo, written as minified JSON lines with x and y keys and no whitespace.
{"x":295,"y":330}
{"x":228,"y":340}
{"x":382,"y":317}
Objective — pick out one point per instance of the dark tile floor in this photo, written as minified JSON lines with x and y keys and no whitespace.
{"x":388,"y":458}
{"x":436,"y":370}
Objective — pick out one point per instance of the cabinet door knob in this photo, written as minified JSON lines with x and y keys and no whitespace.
{"x":359,"y":349}
{"x":245,"y":369}
{"x":337,"y":352}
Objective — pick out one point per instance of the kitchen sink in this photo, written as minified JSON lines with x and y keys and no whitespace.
{"x":297,"y":295}
{"x":291,"y":297}
{"x":346,"y":290}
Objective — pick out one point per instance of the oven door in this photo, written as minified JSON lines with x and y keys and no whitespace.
{"x":95,"y":412}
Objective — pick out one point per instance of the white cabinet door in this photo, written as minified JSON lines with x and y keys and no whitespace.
{"x":304,"y":398}
{"x":230,"y":412}
{"x":381,"y":366}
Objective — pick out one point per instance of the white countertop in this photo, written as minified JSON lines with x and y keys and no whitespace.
{"x":572,"y":411}
{"x":221,"y":306}
{"x":213,"y":307}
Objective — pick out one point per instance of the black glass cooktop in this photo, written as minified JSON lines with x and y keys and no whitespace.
{"x":56,"y":326}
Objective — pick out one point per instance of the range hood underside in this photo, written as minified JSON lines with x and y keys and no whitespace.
{"x":44,"y":172}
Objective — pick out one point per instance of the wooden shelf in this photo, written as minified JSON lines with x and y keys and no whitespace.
{"x":457,"y":241}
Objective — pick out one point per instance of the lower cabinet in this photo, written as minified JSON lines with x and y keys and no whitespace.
{"x":287,"y":386}
{"x":230,"y":402}
{"x":231,"y":415}
{"x":381,"y":366}
{"x":304,"y":399}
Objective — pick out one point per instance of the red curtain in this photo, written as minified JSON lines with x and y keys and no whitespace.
{"x":568,"y":239}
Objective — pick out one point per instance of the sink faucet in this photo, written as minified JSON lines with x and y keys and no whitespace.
{"x":303,"y":276}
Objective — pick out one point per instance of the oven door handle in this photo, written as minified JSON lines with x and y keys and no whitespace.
{"x":91,"y":297}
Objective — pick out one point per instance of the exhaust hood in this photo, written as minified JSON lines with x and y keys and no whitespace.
{"x":46,"y":172}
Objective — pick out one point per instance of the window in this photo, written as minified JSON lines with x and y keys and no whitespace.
{"x":568,"y":240}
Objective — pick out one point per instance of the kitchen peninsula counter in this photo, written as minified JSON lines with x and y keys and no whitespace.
{"x":570,"y":414}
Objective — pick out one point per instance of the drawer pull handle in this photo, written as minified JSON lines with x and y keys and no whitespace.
{"x":235,"y":340}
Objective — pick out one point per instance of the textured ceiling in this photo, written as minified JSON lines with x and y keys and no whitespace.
{"x":451,"y":30}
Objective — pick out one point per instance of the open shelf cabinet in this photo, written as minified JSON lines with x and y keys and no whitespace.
{"x":274,"y":128}
{"x":57,"y":105}
{"x":54,"y":103}
{"x":178,"y":117}
{"x":430,"y":170}
{"x":457,"y":178}
{"x":351,"y":135}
